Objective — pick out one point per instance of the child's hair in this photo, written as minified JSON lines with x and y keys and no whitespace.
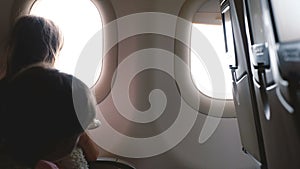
{"x":47,"y":111}
{"x":33,"y":39}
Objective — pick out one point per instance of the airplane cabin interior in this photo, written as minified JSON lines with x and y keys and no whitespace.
{"x":182,"y":84}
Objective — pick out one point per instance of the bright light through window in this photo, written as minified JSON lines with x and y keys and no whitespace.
{"x":200,"y":75}
{"x":79,"y":21}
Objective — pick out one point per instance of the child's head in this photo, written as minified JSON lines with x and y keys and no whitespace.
{"x":47,"y":111}
{"x":32,"y":40}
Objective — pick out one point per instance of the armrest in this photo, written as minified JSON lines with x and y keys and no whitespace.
{"x":110,"y":163}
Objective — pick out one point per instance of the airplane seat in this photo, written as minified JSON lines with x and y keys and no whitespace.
{"x":110,"y":163}
{"x":289,"y":68}
{"x":243,"y":90}
{"x":276,"y":81}
{"x":286,"y":39}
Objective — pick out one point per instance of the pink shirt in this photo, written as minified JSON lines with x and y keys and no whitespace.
{"x":42,"y":164}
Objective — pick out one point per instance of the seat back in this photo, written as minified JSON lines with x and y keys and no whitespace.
{"x":243,"y":90}
{"x":275,"y":66}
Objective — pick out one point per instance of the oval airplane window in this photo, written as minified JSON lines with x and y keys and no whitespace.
{"x":201,"y":77}
{"x":79,"y":22}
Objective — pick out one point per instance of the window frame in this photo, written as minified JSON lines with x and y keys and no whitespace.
{"x":102,"y":87}
{"x":189,"y":92}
